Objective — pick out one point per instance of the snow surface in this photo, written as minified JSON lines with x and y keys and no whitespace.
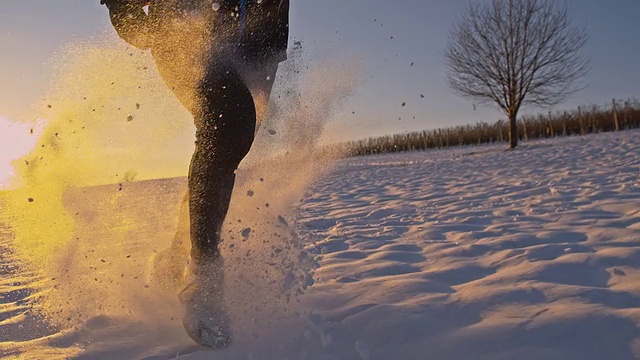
{"x":468,"y":253}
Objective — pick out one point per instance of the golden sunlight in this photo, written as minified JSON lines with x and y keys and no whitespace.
{"x":16,"y":140}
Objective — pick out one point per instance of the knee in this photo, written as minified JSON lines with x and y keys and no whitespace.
{"x":225,"y":95}
{"x":223,"y":146}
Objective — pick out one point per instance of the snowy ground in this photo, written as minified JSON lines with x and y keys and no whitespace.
{"x":471,"y":253}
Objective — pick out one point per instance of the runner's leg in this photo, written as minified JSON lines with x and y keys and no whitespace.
{"x":225,"y":125}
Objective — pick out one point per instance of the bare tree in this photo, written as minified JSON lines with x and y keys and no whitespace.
{"x":514,"y":53}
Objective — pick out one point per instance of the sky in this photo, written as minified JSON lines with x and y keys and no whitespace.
{"x":384,"y":37}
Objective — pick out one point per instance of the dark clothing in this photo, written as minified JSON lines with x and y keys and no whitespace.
{"x":224,"y":134}
{"x":252,"y":34}
{"x":212,"y":54}
{"x":259,"y":28}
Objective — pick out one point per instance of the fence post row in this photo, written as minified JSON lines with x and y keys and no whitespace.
{"x":598,"y":119}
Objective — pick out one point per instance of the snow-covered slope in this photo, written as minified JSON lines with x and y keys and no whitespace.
{"x":473,"y":253}
{"x":480,"y":253}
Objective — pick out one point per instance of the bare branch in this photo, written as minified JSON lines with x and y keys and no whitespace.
{"x":516,"y":52}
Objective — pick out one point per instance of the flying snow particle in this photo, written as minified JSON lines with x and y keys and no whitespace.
{"x":363,"y":349}
{"x":288,"y":280}
{"x":282,"y":220}
{"x":327,"y":339}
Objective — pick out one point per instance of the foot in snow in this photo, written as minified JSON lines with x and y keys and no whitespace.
{"x":206,"y":319}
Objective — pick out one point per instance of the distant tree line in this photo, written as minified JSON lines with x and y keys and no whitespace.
{"x":616,"y":116}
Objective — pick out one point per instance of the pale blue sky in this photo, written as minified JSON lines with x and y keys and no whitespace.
{"x":31,"y":31}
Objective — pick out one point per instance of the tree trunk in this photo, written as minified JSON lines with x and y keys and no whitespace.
{"x":615,"y":115}
{"x":513,"y":131}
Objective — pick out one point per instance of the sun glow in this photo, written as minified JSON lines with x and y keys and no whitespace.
{"x":16,"y":140}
